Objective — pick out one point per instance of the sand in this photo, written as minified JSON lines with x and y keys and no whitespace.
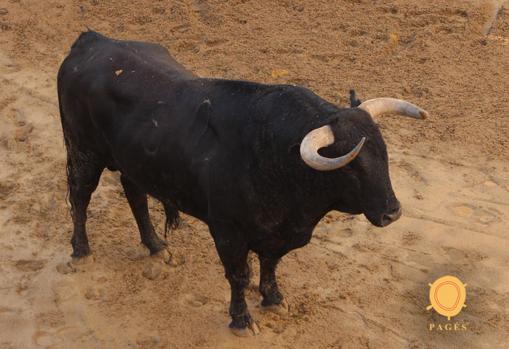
{"x":354,"y":285}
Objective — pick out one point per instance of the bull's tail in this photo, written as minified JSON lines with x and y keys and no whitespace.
{"x":66,"y":142}
{"x":172,"y":217}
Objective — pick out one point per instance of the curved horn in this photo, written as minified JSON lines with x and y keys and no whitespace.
{"x":380,"y":106}
{"x":319,"y":138}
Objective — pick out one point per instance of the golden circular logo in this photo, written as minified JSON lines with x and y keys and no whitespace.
{"x":447,"y":296}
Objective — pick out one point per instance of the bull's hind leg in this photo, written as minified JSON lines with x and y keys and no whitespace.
{"x":83,"y":172}
{"x":138,"y":202}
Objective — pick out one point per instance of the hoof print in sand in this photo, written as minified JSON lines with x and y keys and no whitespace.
{"x":481,"y":215}
{"x":65,"y":268}
{"x":152,"y":272}
{"x":195,"y":301}
{"x":29,"y":265}
{"x":93,"y":293}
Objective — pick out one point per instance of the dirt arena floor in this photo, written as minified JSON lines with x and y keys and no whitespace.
{"x":354,"y":285}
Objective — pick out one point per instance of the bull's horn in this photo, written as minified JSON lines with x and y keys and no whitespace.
{"x":319,"y":138}
{"x":380,"y":106}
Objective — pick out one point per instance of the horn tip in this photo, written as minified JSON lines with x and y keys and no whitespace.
{"x":424,"y":114}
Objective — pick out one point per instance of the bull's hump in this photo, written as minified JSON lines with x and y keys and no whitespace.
{"x":139,"y":55}
{"x":87,"y":38}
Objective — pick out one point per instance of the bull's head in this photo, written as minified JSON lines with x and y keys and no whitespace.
{"x":368,"y":186}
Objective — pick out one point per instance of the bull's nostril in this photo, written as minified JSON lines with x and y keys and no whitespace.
{"x":388,"y":218}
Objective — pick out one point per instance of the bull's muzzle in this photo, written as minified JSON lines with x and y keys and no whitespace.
{"x":388,"y":218}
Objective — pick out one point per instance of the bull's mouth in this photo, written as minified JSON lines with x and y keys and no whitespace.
{"x":384,"y":219}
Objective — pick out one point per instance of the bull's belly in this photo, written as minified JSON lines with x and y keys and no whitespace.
{"x":184,"y":195}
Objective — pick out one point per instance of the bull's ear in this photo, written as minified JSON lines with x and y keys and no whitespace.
{"x":354,"y":101}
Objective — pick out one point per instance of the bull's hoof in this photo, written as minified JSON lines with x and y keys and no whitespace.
{"x":281,"y":308}
{"x":249,"y":331}
{"x":155,"y":245}
{"x":80,"y":251}
{"x":162,"y":255}
{"x":83,"y":260}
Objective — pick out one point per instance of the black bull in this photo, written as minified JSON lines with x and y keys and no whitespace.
{"x":226,"y":152}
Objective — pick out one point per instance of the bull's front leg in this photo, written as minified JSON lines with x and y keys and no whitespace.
{"x":233,"y":254}
{"x":238,"y":276}
{"x":272,"y":297}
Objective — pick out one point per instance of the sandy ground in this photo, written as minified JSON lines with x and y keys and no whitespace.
{"x":353,"y":286}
